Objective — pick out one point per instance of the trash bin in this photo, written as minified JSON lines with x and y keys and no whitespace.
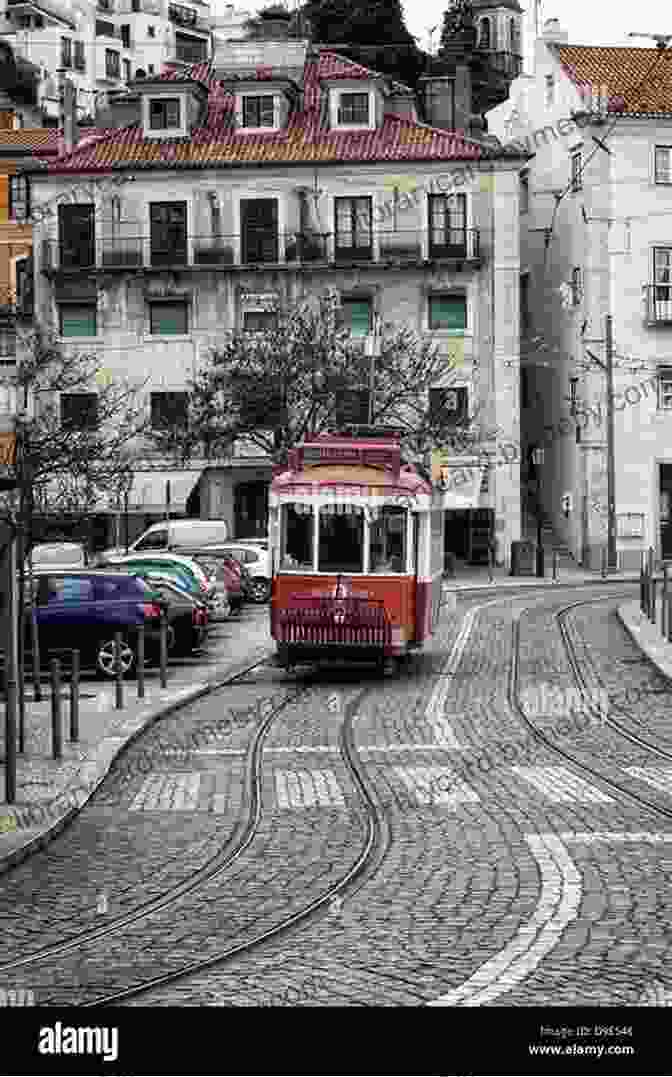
{"x":523,"y":558}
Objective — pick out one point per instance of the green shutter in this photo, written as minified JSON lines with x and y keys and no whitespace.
{"x":359,"y":311}
{"x":169,"y":319}
{"x":78,"y":321}
{"x":448,"y":312}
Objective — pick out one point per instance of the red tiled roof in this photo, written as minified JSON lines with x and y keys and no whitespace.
{"x":306,"y":139}
{"x":26,"y":140}
{"x":640,"y":78}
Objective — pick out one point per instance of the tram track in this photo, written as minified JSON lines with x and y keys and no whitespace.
{"x":215,"y":866}
{"x":513,"y":695}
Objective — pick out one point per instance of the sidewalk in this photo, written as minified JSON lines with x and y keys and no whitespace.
{"x":50,"y":792}
{"x":647,"y":636}
{"x":477,"y":577}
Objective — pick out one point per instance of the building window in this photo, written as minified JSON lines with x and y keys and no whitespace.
{"x":665,"y":389}
{"x":484,"y":42}
{"x":524,"y":388}
{"x":353,"y":227}
{"x":150,"y":68}
{"x":135,"y":5}
{"x":80,"y":61}
{"x":79,"y":410}
{"x":357,"y":316}
{"x":663,"y":164}
{"x":525,"y":192}
{"x":164,"y":113}
{"x":169,"y":319}
{"x":78,"y":319}
{"x":259,"y":321}
{"x":577,"y":286}
{"x":169,"y":409}
{"x":25,"y":300}
{"x":112,"y":64}
{"x":126,"y":35}
{"x":448,"y":406}
{"x":168,"y":233}
{"x":66,"y":52}
{"x":259,"y":111}
{"x":514,"y":42}
{"x":104,"y":5}
{"x":448,"y":225}
{"x":259,"y":230}
{"x":127,"y":70}
{"x":550,"y":91}
{"x":76,"y":233}
{"x":525,"y":319}
{"x":7,"y":343}
{"x":448,"y":312}
{"x":353,"y":108}
{"x":19,"y":198}
{"x":577,"y":169}
{"x":151,"y":31}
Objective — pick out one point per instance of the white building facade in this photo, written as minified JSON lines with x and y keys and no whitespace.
{"x":596,"y":241}
{"x":308,"y":174}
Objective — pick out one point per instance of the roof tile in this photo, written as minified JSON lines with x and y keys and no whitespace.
{"x":641,"y":77}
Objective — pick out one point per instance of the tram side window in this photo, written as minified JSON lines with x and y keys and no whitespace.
{"x":341,"y":540}
{"x":388,"y":540}
{"x":297,"y":539}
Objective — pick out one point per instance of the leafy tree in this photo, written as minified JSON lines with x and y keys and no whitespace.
{"x":374,"y":30}
{"x":308,"y":375}
{"x":458,"y":24}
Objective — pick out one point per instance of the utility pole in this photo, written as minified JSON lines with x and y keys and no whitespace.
{"x":611,"y":462}
{"x":8,"y":460}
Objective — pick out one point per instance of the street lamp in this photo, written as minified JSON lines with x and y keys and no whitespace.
{"x":538,"y":460}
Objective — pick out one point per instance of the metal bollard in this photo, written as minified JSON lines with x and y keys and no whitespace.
{"x":141,"y":662}
{"x":669,"y":618}
{"x":652,"y":608}
{"x":490,"y":566}
{"x":555,"y":564}
{"x":604,"y":562}
{"x":74,"y":697}
{"x":56,"y":724}
{"x":663,"y":603}
{"x":35,"y":640}
{"x":118,"y":674}
{"x":10,"y":741}
{"x":163,"y":649}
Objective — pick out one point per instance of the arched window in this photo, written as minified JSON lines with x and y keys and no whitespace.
{"x":485,"y":34}
{"x":513,"y":37}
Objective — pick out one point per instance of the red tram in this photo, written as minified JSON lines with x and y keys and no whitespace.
{"x":356,"y":539}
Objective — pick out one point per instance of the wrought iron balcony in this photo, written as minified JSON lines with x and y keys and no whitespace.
{"x":128,"y":249}
{"x":659,"y":304}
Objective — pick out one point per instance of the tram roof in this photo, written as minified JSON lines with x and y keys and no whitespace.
{"x":362,"y":464}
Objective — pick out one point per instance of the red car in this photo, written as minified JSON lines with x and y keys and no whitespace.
{"x":226,"y":569}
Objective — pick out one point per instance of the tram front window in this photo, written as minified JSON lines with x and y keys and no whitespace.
{"x":341,"y":539}
{"x":297,"y":538}
{"x":388,"y":540}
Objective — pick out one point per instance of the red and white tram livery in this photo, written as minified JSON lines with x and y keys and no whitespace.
{"x":357,"y":545}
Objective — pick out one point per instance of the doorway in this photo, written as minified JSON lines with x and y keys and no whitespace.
{"x":665,"y":511}
{"x":251,"y":509}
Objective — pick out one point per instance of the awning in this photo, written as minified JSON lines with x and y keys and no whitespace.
{"x":148,"y":492}
{"x":461,"y":487}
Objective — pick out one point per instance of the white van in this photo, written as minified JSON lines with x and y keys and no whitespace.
{"x":174,"y":535}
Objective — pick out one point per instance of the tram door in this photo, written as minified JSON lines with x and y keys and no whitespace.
{"x":416,"y":543}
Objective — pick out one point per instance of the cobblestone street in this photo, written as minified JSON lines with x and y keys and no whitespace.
{"x":473,"y":830}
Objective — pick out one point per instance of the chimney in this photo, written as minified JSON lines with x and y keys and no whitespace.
{"x":448,"y":99}
{"x":553,"y":34}
{"x":273,"y":24}
{"x":402,"y":104}
{"x":69,"y":115}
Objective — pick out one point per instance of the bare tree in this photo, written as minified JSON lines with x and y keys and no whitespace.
{"x":307,"y":374}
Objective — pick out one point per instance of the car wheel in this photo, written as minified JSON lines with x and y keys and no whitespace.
{"x":105,"y":658}
{"x":260,"y":590}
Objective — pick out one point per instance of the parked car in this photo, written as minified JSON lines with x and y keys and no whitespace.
{"x":187,"y":616}
{"x":84,"y":609}
{"x":257,"y":560}
{"x":57,"y":555}
{"x":186,"y":573}
{"x":173,"y":535}
{"x":227,"y":570}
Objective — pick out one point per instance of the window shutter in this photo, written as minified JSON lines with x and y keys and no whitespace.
{"x":360,"y":317}
{"x":169,"y":319}
{"x":448,"y":312}
{"x":78,"y":321}
{"x":4,"y":199}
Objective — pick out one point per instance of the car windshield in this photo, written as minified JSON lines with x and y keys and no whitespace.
{"x":57,"y":553}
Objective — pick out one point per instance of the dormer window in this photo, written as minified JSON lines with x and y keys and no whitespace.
{"x":164,"y":114}
{"x":353,"y":109}
{"x":259,"y":111}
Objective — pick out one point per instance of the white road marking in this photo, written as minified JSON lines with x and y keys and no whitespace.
{"x":558,"y":905}
{"x":562,"y":786}
{"x":658,"y":777}
{"x":168,"y":792}
{"x":307,"y":789}
{"x":436,"y":785}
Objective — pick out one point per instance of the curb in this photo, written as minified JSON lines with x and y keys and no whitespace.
{"x":635,"y":635}
{"x":546,"y":584}
{"x":39,"y":841}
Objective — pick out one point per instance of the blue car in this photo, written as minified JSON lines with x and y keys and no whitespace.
{"x":84,"y":610}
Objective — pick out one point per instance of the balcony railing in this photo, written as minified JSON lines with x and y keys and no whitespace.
{"x":260,"y":247}
{"x":659,"y":304}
